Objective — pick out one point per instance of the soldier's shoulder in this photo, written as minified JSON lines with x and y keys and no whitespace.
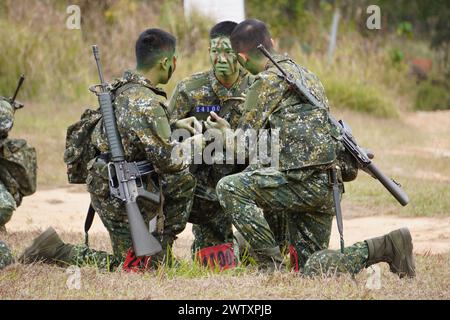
{"x":195,"y":82}
{"x":267,"y":77}
{"x":308,"y":74}
{"x":4,"y":104}
{"x":140,"y":95}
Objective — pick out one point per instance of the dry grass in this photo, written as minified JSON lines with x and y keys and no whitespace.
{"x":414,"y":148}
{"x":42,"y":281}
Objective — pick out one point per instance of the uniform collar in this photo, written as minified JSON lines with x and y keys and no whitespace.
{"x":135,"y":77}
{"x":278,"y":58}
{"x":220,"y":90}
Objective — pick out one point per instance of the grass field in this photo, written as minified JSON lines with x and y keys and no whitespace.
{"x":374,"y":96}
{"x":189,"y":281}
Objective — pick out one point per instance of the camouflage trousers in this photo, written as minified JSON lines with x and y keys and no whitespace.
{"x":215,"y":228}
{"x":7,"y":205}
{"x":210,"y":225}
{"x":6,"y":257}
{"x":333,"y":262}
{"x":178,"y":189}
{"x":303,"y":195}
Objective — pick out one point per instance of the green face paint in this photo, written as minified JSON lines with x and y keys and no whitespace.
{"x":252,"y":65}
{"x":170,"y":67}
{"x":222,"y":57}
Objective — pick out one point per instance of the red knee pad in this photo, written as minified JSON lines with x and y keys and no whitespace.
{"x":136,"y":264}
{"x":294,"y":257}
{"x":221,"y":255}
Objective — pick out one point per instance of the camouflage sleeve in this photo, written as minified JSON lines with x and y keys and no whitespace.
{"x":179,"y":105}
{"x":156,"y":138}
{"x":262,"y":99}
{"x":6,"y":117}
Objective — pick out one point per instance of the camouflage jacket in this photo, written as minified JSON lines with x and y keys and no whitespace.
{"x":6,"y":118}
{"x":18,"y":164}
{"x":304,"y":136}
{"x":202,"y":92}
{"x":143,"y":124}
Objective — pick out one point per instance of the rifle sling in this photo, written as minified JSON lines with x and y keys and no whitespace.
{"x":88,"y":223}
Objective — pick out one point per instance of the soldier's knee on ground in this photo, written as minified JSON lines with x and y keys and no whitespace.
{"x":327,"y":263}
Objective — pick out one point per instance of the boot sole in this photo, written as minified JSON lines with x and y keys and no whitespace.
{"x":36,"y":243}
{"x":410,"y":267}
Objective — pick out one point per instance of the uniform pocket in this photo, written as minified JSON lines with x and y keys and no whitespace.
{"x":97,"y":179}
{"x":269,"y":178}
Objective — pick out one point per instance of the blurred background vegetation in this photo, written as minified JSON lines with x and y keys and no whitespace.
{"x":404,"y":65}
{"x":383,"y":74}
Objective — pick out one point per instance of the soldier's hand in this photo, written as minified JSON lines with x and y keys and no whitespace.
{"x":191,"y":124}
{"x":216,"y":122}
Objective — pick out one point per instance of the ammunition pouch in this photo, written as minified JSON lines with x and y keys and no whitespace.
{"x":18,"y":168}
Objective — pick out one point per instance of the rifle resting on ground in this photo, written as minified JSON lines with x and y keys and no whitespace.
{"x":125,"y":181}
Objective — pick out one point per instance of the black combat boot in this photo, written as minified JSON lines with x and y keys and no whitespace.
{"x":396,"y":249}
{"x":48,"y":247}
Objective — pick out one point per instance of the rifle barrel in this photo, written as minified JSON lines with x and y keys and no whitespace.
{"x":96,"y":52}
{"x":19,"y":84}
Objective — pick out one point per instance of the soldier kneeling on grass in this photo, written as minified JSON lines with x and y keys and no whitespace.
{"x":300,"y":185}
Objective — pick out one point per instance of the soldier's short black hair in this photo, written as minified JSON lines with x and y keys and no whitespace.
{"x":224,"y":28}
{"x":151,"y":45}
{"x":249,"y":34}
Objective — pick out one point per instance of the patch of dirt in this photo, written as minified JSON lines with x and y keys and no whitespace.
{"x":67,"y":211}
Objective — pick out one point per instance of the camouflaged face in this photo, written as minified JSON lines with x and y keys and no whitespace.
{"x":6,"y":117}
{"x":305,"y":138}
{"x":6,"y":257}
{"x":143,"y":124}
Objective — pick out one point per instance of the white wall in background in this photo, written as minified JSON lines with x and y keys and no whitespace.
{"x":219,"y":10}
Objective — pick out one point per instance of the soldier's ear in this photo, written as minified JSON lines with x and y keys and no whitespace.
{"x":273,"y":42}
{"x":165,"y":63}
{"x":243,"y":56}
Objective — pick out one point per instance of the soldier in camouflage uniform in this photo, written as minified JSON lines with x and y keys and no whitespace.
{"x":300,"y":186}
{"x":220,"y":89}
{"x":143,"y":124}
{"x":7,"y":202}
{"x":17,"y":165}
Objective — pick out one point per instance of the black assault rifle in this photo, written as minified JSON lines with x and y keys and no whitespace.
{"x":349,"y":142}
{"x":12,"y":101}
{"x":125,"y":181}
